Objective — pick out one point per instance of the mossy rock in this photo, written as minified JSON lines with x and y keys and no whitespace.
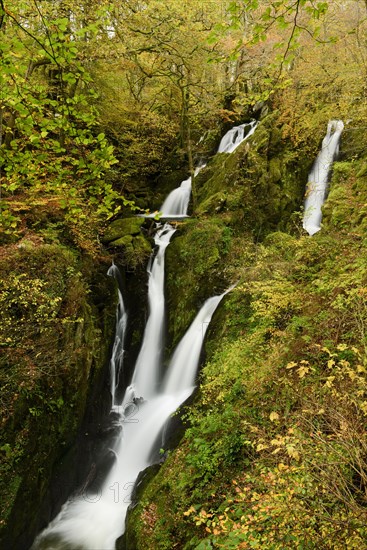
{"x":121,"y":228}
{"x":142,"y":245}
{"x":345,"y":207}
{"x":195,"y":270}
{"x":214,"y":203}
{"x":258,"y":186}
{"x":362,"y":171}
{"x":122,"y":241}
{"x":136,"y":250}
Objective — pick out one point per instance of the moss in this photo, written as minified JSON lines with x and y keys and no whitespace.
{"x":122,"y":241}
{"x":345,"y":205}
{"x":121,"y":228}
{"x":142,"y":247}
{"x":215,"y":203}
{"x":135,"y":250}
{"x":125,"y":234}
{"x":193,"y":270}
{"x":362,"y":171}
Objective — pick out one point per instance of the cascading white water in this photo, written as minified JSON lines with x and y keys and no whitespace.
{"x":94,"y":520}
{"x":146,"y":373}
{"x":318,"y":177}
{"x":235,"y":136}
{"x":177,"y":202}
{"x":183,"y":366}
{"x":117,"y":355}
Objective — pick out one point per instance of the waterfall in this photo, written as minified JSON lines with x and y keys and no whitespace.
{"x":177,"y":202}
{"x":117,"y":355}
{"x":94,"y":519}
{"x":235,"y":136}
{"x":318,"y":177}
{"x":146,"y":373}
{"x":183,"y":366}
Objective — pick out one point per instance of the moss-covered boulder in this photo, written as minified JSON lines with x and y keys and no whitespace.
{"x":345,"y":208}
{"x":122,"y":228}
{"x":131,"y":244}
{"x":123,"y":241}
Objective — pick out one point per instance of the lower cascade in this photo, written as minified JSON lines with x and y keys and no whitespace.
{"x":94,"y":519}
{"x":318,"y":177}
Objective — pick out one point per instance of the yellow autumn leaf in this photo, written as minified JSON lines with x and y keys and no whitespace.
{"x":292,"y":452}
{"x":352,"y":375}
{"x":276,"y":451}
{"x":189,"y":511}
{"x":278,"y":441}
{"x":274,"y":416}
{"x":291,"y":365}
{"x":302,"y":371}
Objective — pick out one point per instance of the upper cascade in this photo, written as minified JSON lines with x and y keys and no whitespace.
{"x":235,"y":136}
{"x":177,"y":202}
{"x":318,"y":177}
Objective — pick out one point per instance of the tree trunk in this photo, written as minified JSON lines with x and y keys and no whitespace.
{"x":188,"y":143}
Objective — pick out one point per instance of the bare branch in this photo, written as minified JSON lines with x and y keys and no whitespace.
{"x":2,"y":13}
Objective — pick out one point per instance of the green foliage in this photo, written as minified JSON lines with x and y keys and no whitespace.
{"x":305,"y":465}
{"x":51,"y":145}
{"x":23,"y":300}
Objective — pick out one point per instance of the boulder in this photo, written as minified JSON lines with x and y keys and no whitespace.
{"x":122,"y":228}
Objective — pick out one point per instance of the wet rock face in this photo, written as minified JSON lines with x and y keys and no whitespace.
{"x":62,"y":344}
